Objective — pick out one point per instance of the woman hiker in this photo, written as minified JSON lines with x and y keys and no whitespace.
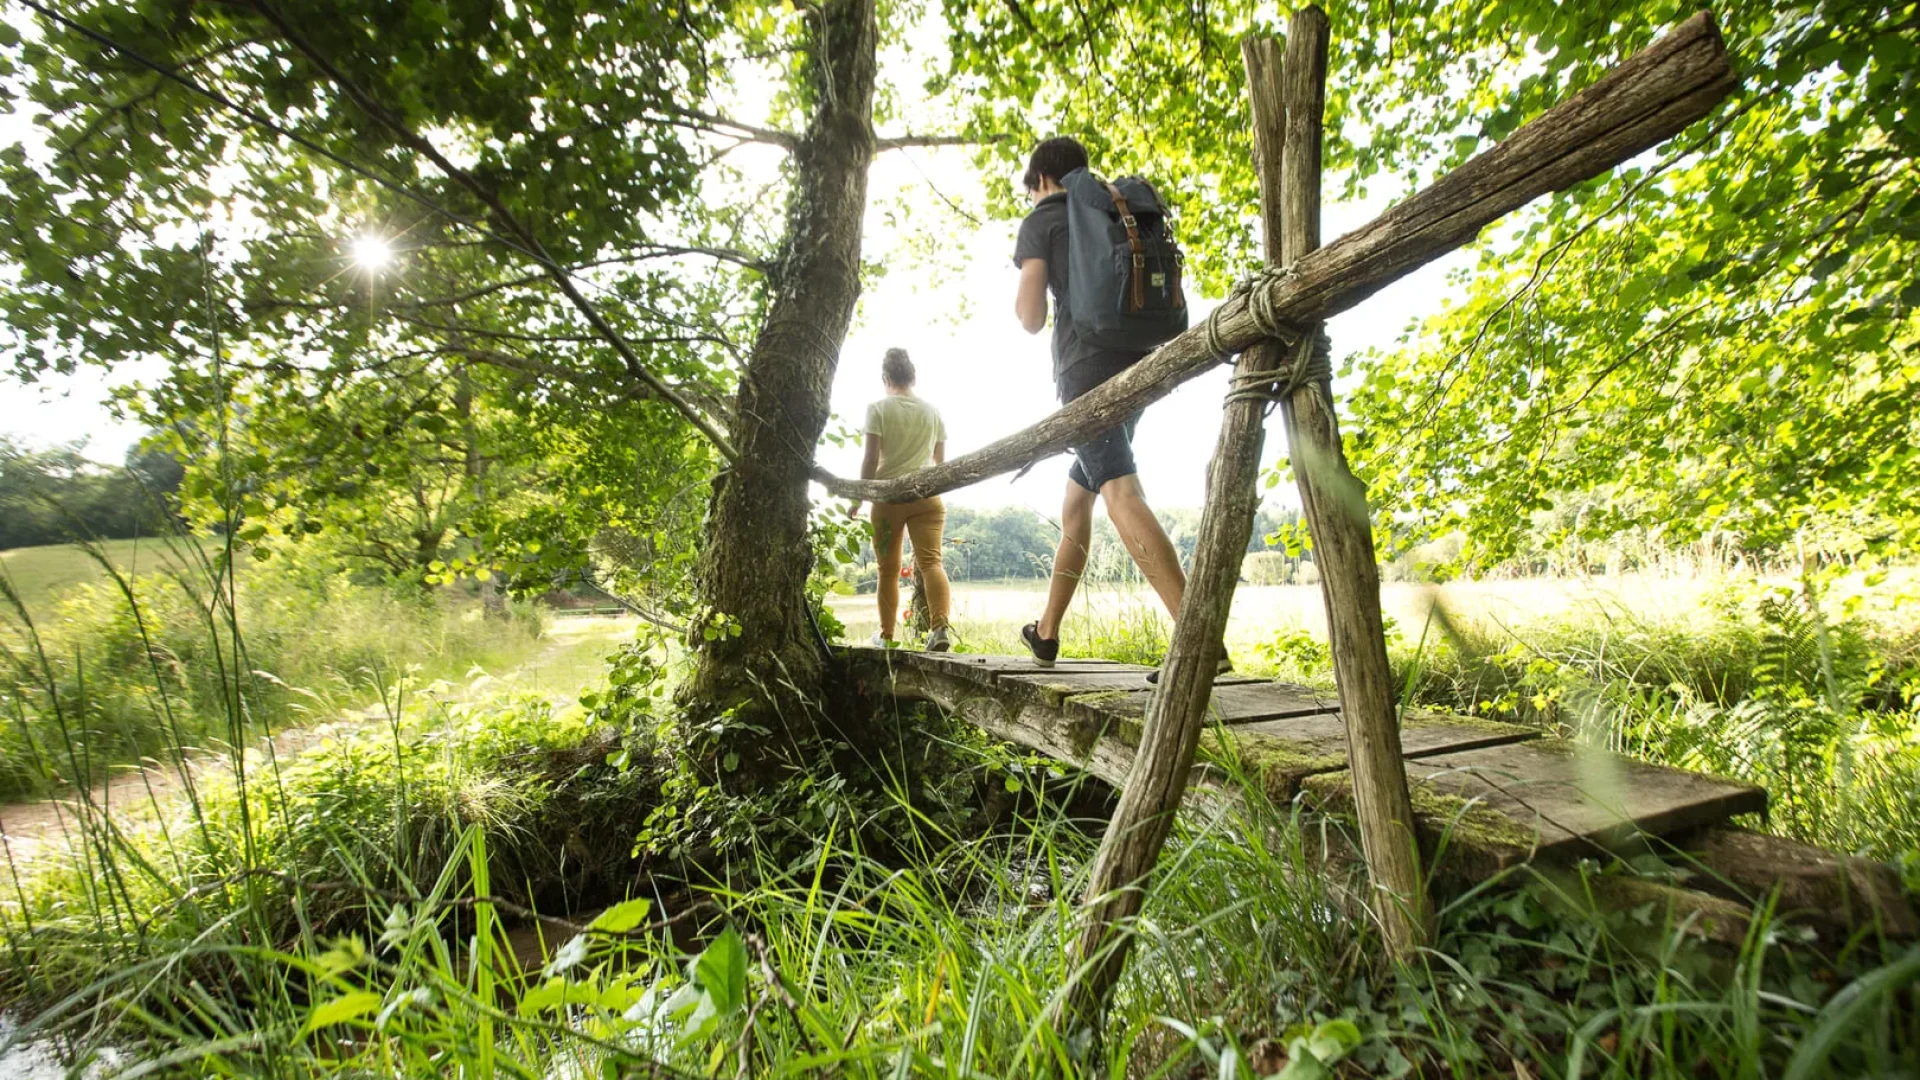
{"x":905,"y":434}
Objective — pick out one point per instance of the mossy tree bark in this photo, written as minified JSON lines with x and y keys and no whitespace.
{"x":757,"y":555}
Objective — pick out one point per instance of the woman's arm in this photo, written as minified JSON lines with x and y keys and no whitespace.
{"x":869,"y":467}
{"x":1030,"y":303}
{"x":940,"y":452}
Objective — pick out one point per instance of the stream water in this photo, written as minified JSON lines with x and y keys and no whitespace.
{"x":40,"y":1059}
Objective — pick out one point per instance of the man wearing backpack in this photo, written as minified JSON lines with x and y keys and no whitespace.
{"x":1128,"y":301}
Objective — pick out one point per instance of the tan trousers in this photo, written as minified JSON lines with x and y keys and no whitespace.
{"x":923,"y":521}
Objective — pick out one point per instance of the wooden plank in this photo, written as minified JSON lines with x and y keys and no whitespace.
{"x":1429,"y":735}
{"x":983,"y":661}
{"x":1279,"y":755}
{"x":996,"y":661}
{"x":1549,"y":799}
{"x":980,"y":668}
{"x":1056,"y":686}
{"x":1601,"y":796}
{"x":1232,"y":702}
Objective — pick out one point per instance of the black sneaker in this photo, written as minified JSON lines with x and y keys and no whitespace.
{"x":1225,"y":666}
{"x":1045,"y":650}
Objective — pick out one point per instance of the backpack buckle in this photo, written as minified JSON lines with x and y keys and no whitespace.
{"x":1139,"y":260}
{"x":1127,"y":220}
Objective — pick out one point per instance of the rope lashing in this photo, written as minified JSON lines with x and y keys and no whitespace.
{"x":1311,"y":355}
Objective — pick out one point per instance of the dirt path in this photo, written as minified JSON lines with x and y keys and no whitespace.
{"x":568,"y":658}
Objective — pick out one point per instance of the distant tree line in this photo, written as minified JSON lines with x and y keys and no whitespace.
{"x":1018,"y":542}
{"x":57,"y":495}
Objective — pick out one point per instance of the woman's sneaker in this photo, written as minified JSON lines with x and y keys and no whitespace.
{"x":878,"y":642}
{"x":1045,"y":650}
{"x":1225,"y":666}
{"x":939,"y":640}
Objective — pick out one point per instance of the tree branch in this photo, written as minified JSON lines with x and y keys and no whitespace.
{"x":512,"y":225}
{"x":695,"y":120}
{"x":899,"y":142}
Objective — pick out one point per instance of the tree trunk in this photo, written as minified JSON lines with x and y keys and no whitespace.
{"x":764,"y":655}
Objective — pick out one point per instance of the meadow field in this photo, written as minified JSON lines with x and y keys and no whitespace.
{"x":987,"y":615}
{"x":43,"y":575}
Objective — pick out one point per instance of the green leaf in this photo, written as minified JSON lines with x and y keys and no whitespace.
{"x":721,"y":970}
{"x":622,"y":917}
{"x":1334,"y":1040}
{"x":341,"y":1009}
{"x":1302,"y":1064}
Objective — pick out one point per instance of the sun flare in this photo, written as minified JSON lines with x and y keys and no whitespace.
{"x":372,"y":252}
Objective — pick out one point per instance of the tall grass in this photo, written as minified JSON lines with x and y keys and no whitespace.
{"x":129,"y":669}
{"x":946,"y":958}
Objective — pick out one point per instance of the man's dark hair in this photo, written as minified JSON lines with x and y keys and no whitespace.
{"x":1054,"y":158}
{"x":896,"y":368}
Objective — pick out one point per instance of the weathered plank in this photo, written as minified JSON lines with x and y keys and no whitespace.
{"x":1497,"y":798}
{"x":1232,"y":702}
{"x":1549,"y":799}
{"x":984,"y":670}
{"x":1056,"y":686}
{"x":1279,"y":755}
{"x":995,"y":662}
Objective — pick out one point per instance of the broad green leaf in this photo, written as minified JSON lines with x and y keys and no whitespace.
{"x":350,"y":1006}
{"x":623,"y":916}
{"x":721,"y":971}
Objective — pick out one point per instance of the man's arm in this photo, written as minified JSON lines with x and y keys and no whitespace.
{"x":1030,"y":303}
{"x":940,"y":452}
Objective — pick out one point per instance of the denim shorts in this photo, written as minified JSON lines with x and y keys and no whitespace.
{"x":1108,"y":455}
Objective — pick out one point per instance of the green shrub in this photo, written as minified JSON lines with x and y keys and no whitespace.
{"x":1267,"y":568}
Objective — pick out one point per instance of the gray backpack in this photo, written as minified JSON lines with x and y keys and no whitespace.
{"x":1123,"y":267}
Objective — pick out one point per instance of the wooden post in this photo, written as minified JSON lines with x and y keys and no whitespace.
{"x":1177,"y":712}
{"x":1336,"y":511}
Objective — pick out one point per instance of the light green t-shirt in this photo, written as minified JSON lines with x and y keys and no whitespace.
{"x":908,"y":429}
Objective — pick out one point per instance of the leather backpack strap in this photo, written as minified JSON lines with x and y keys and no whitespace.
{"x":1137,"y":276}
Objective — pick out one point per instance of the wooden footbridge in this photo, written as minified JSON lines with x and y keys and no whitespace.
{"x":1404,"y":777}
{"x":1500,"y":793}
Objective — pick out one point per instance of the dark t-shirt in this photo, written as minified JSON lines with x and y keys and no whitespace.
{"x":1043,"y":235}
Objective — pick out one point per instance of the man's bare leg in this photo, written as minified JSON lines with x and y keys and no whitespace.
{"x":1069,"y":559}
{"x":1146,"y":541}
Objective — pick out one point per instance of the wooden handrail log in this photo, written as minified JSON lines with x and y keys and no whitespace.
{"x":1649,"y":97}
